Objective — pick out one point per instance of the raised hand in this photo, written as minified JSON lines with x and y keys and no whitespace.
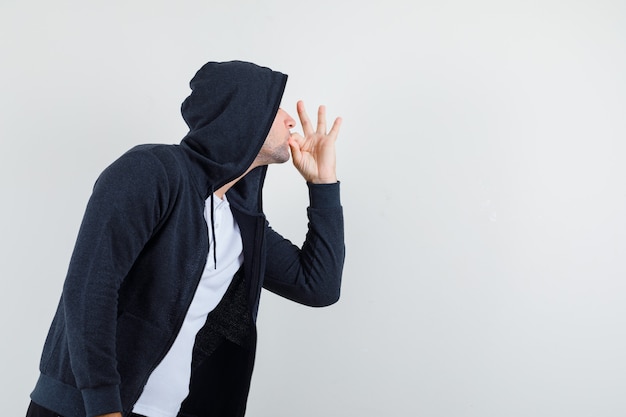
{"x":314,"y":154}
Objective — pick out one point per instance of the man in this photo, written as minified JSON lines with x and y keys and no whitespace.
{"x":158,"y":310}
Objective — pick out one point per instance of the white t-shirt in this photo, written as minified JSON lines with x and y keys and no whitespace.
{"x":168,"y":385}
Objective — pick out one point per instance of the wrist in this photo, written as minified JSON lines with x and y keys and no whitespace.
{"x":323,"y":180}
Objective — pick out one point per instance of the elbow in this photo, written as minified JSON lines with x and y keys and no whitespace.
{"x":321,"y":290}
{"x":325,"y":298}
{"x":329,"y":301}
{"x":326,"y":292}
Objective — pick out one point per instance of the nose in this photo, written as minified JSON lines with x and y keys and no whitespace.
{"x":289,"y":121}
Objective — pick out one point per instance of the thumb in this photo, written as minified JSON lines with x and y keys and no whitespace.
{"x":296,"y":154}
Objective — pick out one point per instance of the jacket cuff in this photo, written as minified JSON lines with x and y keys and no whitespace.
{"x":324,"y":195}
{"x":102,"y":400}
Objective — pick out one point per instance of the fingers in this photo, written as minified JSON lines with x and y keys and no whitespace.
{"x":296,"y":153}
{"x":307,"y":127}
{"x":334,"y":131}
{"x":297,"y":139}
{"x":321,"y":120}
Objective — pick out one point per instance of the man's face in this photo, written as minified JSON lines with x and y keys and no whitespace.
{"x":275,"y":149}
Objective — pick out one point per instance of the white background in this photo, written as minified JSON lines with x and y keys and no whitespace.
{"x":483,"y":179}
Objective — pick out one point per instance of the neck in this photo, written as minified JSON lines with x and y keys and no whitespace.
{"x":223,"y":189}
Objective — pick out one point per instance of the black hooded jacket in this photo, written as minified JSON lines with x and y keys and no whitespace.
{"x":143,"y":244}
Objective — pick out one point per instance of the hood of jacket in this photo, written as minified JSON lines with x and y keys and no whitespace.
{"x":229,"y":112}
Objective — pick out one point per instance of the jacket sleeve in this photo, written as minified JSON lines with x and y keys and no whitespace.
{"x":311,"y":275}
{"x":127,"y":202}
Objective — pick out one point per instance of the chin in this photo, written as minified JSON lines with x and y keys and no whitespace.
{"x":282,"y":160}
{"x":278,"y":159}
{"x":284,"y":157}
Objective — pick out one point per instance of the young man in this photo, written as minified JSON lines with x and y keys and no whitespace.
{"x":158,"y":310}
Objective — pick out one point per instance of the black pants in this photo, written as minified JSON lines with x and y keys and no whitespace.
{"x":35,"y":410}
